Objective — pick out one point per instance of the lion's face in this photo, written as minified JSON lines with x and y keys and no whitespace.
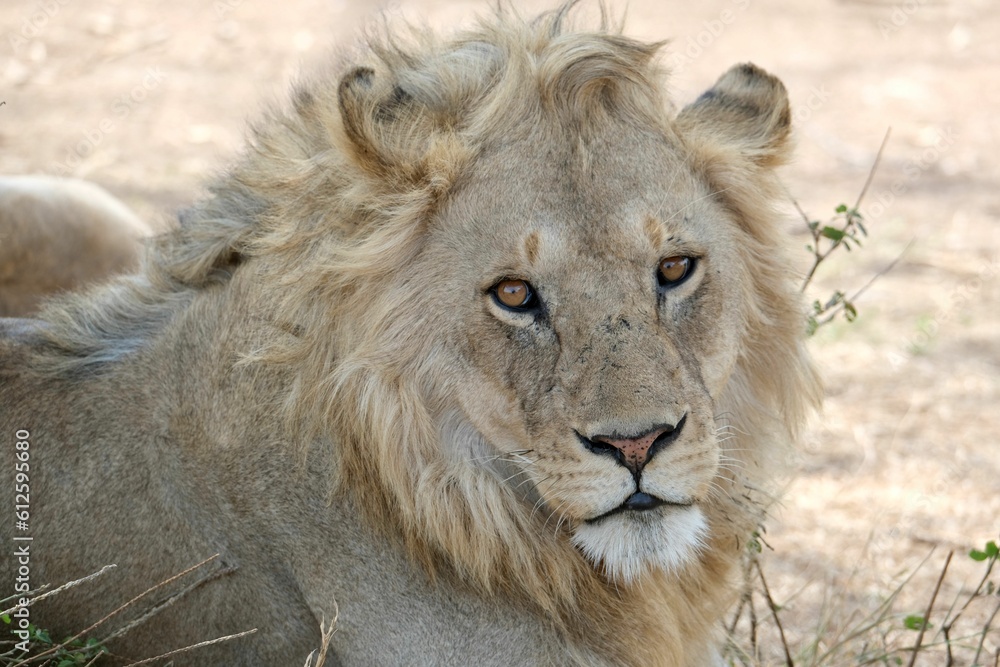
{"x":598,"y":319}
{"x":595,"y":281}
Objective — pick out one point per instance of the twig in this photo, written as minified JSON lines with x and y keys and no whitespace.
{"x":982,"y":581}
{"x":854,"y":297}
{"x":774,"y":613}
{"x":113,"y":613}
{"x":871,"y":172}
{"x":930,"y":607}
{"x":982,"y":636}
{"x":950,"y":622}
{"x":753,"y":629}
{"x":159,"y":607}
{"x":217,"y":640}
{"x":326,"y":636}
{"x":818,"y":256}
{"x":739,"y":613}
{"x":67,"y":585}
{"x":873,"y":619}
{"x":92,"y":661}
{"x":745,"y":596}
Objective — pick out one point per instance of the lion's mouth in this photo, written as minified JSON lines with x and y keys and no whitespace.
{"x":640,"y":502}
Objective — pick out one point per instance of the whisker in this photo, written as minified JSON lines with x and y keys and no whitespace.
{"x":501,"y":456}
{"x":734,"y":428}
{"x":538,"y":503}
{"x":519,"y":472}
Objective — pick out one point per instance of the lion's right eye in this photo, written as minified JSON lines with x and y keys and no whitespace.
{"x":674,"y":270}
{"x":515,"y":294}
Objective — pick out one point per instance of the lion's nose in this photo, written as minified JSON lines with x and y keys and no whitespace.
{"x":635,"y":453}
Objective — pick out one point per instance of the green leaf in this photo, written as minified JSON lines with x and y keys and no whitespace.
{"x":837,"y":297}
{"x":5,"y":618}
{"x":992,"y":550}
{"x":811,"y":325}
{"x":841,"y":209}
{"x":977,"y":555}
{"x":916,"y":622}
{"x":832,"y":233}
{"x":850,"y":311}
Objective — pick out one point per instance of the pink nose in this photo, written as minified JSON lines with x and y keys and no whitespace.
{"x":635,"y":452}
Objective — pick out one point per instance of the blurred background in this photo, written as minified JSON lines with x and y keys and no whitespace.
{"x":150,"y":98}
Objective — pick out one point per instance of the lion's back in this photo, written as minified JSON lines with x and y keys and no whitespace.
{"x":60,"y":234}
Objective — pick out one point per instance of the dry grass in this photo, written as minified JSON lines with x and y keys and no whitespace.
{"x":86,"y":646}
{"x":959,"y":632}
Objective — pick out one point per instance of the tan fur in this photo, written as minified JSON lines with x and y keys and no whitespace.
{"x":315,"y":354}
{"x":60,"y":234}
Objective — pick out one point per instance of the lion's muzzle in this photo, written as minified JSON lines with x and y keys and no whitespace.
{"x":635,"y":452}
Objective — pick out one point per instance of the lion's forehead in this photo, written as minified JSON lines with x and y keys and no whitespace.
{"x":617,"y":243}
{"x":518,"y":213}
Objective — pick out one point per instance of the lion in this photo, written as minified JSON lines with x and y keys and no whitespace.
{"x":482,"y":348}
{"x":60,"y":234}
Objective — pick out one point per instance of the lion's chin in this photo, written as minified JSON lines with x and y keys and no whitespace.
{"x":629,"y":544}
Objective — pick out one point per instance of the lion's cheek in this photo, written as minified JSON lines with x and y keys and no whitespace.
{"x":713,"y":338}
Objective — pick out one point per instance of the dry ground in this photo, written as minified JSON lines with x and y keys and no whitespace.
{"x":148,"y":98}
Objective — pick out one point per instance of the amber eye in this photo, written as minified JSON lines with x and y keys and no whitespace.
{"x":673,"y":270}
{"x":515,"y":294}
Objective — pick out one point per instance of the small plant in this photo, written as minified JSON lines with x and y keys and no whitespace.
{"x":67,"y":653}
{"x":880,"y":637}
{"x":841,"y":231}
{"x":986,"y":588}
{"x":844,"y":230}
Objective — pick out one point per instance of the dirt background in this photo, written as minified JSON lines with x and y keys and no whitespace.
{"x":149,"y":98}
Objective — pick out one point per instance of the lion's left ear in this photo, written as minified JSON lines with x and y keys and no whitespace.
{"x":746,"y":111}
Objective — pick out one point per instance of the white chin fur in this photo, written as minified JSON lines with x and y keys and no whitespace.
{"x":630,"y":544}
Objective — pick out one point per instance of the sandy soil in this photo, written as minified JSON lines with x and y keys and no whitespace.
{"x":149,"y":98}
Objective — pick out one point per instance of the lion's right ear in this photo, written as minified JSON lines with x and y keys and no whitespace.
{"x":746,"y":111}
{"x":377,"y":115}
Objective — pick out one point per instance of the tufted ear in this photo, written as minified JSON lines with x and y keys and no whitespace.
{"x":745,"y":111}
{"x":374,"y":112}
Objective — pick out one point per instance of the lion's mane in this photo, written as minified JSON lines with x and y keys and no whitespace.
{"x":334,"y":195}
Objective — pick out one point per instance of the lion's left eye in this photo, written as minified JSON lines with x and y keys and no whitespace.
{"x":674,"y":270}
